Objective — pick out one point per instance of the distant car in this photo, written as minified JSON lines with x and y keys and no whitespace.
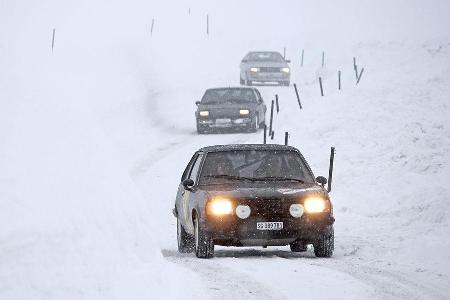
{"x":265,"y":67}
{"x":230,"y":108}
{"x":252,"y":195}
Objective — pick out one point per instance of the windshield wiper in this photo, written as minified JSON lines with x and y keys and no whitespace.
{"x":231,"y":177}
{"x":275,"y":178}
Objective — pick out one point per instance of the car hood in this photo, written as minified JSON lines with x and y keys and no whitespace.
{"x":267,"y":64}
{"x":263,"y":190}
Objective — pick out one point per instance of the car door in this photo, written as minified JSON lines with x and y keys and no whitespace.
{"x":188,"y":196}
{"x":261,"y":108}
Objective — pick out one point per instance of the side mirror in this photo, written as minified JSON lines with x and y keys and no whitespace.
{"x":288,"y":61}
{"x":197,"y":103}
{"x":322,"y":180}
{"x":188,"y":183}
{"x":244,"y":61}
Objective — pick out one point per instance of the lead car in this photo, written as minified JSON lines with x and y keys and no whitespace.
{"x":253,"y":195}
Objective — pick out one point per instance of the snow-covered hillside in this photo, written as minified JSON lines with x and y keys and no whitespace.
{"x":94,"y":136}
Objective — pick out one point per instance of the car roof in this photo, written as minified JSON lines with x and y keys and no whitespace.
{"x":264,"y":52}
{"x":234,"y":147}
{"x":232,"y":88}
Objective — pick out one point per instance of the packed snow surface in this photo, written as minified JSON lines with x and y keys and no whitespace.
{"x":95,"y":133}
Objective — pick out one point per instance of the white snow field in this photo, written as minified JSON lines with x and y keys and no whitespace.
{"x":94,"y":136}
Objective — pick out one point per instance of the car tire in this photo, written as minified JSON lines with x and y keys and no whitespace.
{"x":298,"y":246}
{"x":200,"y":129}
{"x":262,"y":124}
{"x":248,"y":82}
{"x":324,"y":246}
{"x":185,"y":241}
{"x":204,"y":245}
{"x":254,"y":124}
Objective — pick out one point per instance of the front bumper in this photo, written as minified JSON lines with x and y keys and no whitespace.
{"x":233,"y":122}
{"x":232,"y":231}
{"x":268,"y":76}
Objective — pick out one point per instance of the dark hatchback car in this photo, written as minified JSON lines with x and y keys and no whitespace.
{"x":252,"y":195}
{"x":230,"y":108}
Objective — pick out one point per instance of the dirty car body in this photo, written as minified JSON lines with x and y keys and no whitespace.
{"x":230,"y":108}
{"x":252,"y":195}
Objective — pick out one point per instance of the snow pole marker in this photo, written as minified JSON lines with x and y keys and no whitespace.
{"x":355,"y":67}
{"x":284,"y":52}
{"x":271,"y":119}
{"x":272,"y":135}
{"x":276,"y":102}
{"x":207,"y":24}
{"x":359,"y":77}
{"x":53,"y":38}
{"x":323,"y":59}
{"x":265,"y":134}
{"x":339,"y":79}
{"x":321,"y":88}
{"x":303,"y":54}
{"x":298,"y":97}
{"x":151,"y":28}
{"x":286,"y":138}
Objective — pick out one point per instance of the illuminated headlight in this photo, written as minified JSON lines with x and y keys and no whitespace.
{"x":204,"y":113}
{"x":314,"y":205}
{"x":244,"y":112}
{"x":296,"y":210}
{"x":243,"y":211}
{"x":220,"y":207}
{"x":254,"y":69}
{"x":285,"y":70}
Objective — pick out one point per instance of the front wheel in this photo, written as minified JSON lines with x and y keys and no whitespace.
{"x":185,"y":240}
{"x":298,"y":246}
{"x":324,"y":246}
{"x":204,"y":245}
{"x":254,"y":125}
{"x":200,"y":129}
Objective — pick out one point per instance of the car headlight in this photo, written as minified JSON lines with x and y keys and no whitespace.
{"x":254,"y":69}
{"x":220,"y":206}
{"x":314,"y":205}
{"x":244,"y":112}
{"x":296,"y":210}
{"x":204,"y":113}
{"x":285,"y":70}
{"x":243,"y":211}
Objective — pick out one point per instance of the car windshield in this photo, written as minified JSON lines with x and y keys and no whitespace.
{"x":255,"y":165}
{"x":228,"y":96}
{"x":265,"y":57}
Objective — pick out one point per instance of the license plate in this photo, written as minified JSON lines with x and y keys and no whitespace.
{"x":269,"y":225}
{"x":223,"y":121}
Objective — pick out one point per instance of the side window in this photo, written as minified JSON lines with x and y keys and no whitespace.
{"x":194,"y":171}
{"x":258,"y":96}
{"x":189,"y":167}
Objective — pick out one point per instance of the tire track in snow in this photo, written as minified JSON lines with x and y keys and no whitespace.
{"x":221,"y":280}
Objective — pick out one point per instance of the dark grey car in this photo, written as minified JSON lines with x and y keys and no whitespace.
{"x":264,"y":67}
{"x":253,"y":195}
{"x":230,"y":108}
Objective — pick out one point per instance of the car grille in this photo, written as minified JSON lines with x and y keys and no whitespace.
{"x":269,"y":69}
{"x":269,"y":208}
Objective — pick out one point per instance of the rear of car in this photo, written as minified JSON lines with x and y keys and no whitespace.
{"x":264,"y":67}
{"x":230,"y":108}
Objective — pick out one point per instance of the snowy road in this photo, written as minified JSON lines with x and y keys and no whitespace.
{"x":277,"y":273}
{"x":95,"y":133}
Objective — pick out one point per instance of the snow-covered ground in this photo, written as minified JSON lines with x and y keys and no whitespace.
{"x":94,"y":137}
